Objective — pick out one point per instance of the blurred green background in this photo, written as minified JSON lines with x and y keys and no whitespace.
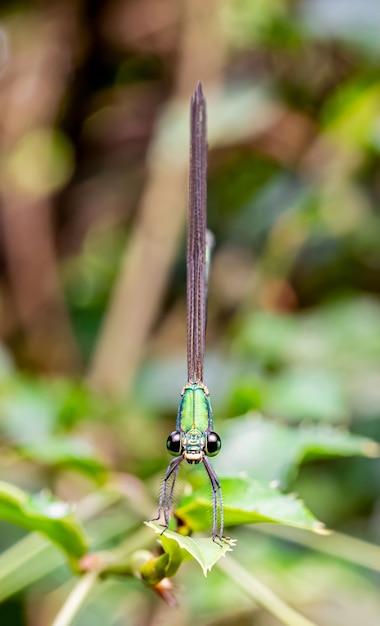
{"x":94,"y":138}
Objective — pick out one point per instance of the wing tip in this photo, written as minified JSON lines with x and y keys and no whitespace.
{"x":198,"y":97}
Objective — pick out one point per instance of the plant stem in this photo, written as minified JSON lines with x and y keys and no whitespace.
{"x":27,"y":561}
{"x":262,"y":595}
{"x":76,"y":599}
{"x":338,"y":545}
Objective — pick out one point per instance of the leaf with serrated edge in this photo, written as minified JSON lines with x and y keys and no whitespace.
{"x":201,"y":549}
{"x":247,"y":501}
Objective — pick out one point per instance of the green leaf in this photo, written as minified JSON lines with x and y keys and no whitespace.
{"x":70,"y":453}
{"x":298,"y":394}
{"x":44,"y":514}
{"x":268,"y":337}
{"x":247,"y":501}
{"x":271,"y":451}
{"x":26,"y":414}
{"x":32,"y":408}
{"x":322,"y":362}
{"x":341,"y":334}
{"x":203,"y":550}
{"x":351,"y":113}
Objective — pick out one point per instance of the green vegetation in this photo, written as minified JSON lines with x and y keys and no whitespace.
{"x":94,"y":148}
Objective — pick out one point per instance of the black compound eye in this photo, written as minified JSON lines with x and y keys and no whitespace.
{"x":174,"y":443}
{"x":213,"y":444}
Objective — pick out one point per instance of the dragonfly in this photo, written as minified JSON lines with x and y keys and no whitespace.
{"x":194,"y":439}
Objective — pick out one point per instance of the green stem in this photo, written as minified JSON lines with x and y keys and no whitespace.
{"x":262,"y":595}
{"x":25,"y":562}
{"x":76,"y":599}
{"x":337,"y":545}
{"x":25,"y":549}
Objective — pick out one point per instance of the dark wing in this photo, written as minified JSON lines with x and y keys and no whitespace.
{"x":196,"y":238}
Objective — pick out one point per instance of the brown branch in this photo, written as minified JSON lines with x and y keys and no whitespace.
{"x":32,"y":88}
{"x":144,"y":274}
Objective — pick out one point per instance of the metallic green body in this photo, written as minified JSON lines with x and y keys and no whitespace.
{"x":194,"y":420}
{"x":194,"y":409}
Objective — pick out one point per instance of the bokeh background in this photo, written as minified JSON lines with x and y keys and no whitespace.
{"x":94,"y":138}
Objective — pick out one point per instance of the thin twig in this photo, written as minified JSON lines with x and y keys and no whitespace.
{"x":336,"y":545}
{"x":76,"y":599}
{"x":262,"y":595}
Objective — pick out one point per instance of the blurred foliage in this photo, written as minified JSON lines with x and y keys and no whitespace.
{"x":293,"y":349}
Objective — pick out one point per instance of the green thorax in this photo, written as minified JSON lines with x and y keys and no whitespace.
{"x":194,"y":411}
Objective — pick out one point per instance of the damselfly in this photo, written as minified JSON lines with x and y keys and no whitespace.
{"x":194,"y":439}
